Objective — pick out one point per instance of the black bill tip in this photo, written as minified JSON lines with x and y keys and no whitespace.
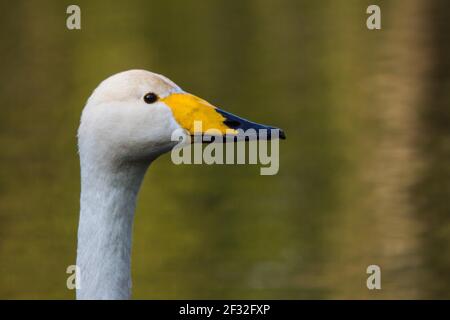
{"x":237,"y":123}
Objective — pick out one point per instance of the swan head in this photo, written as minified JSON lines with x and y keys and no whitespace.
{"x":133,"y":114}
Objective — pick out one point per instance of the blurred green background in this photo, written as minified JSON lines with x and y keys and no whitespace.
{"x":364,"y":174}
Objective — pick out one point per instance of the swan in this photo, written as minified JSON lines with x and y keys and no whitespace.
{"x":126,"y":124}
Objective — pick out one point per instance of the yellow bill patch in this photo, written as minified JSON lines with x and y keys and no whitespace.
{"x":187,"y":108}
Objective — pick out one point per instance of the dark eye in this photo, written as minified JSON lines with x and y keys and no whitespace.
{"x":150,"y":97}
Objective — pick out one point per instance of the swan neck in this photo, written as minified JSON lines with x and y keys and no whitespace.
{"x":107,"y":204}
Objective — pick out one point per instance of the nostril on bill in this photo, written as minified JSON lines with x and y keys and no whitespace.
{"x":233,"y":124}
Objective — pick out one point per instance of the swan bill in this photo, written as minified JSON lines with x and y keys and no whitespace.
{"x":190,"y":111}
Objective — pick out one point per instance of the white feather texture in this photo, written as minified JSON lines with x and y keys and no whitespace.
{"x":119,"y":136}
